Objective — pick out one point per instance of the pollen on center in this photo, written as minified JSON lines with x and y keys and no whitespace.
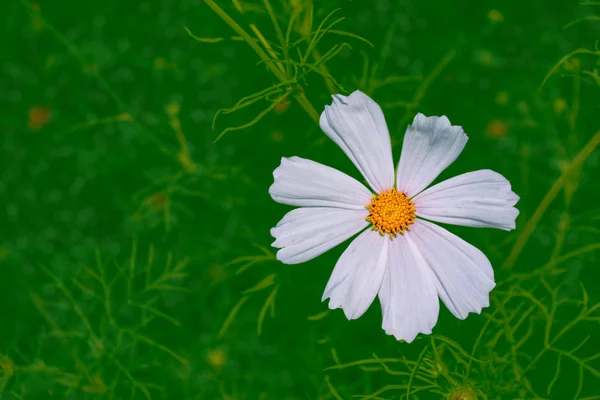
{"x":391,"y":212}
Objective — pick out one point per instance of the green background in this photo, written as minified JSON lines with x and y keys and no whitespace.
{"x":135,"y":250}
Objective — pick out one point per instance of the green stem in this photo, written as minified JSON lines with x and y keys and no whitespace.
{"x":300,"y":97}
{"x":547,"y":200}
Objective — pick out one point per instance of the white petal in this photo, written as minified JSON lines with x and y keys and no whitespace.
{"x":464,"y":274}
{"x":356,"y":123}
{"x":301,"y":182}
{"x":481,"y":199}
{"x":408,"y":296}
{"x":430,"y":145}
{"x":305,"y":233}
{"x":357,"y":275}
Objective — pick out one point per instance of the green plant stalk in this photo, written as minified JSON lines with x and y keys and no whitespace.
{"x":548,"y":198}
{"x":299,"y":97}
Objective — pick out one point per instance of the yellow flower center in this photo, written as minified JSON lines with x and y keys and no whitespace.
{"x":391,"y":212}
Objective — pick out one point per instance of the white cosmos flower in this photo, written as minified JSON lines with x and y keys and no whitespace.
{"x":403,"y":258}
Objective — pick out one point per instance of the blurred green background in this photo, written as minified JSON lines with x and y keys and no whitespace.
{"x":135,"y":251}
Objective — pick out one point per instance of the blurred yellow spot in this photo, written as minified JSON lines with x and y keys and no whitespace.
{"x":523,"y":107}
{"x":38,"y":117}
{"x":7,"y":367}
{"x":560,"y":105}
{"x":173,"y":109}
{"x":212,"y":71}
{"x":502,"y":98}
{"x":282,"y":106}
{"x":37,"y":22}
{"x":462,"y":393}
{"x":484,"y":57}
{"x":216,"y":273}
{"x":162,"y":63}
{"x":49,"y":62}
{"x":216,"y":358}
{"x":157,"y":201}
{"x":495,"y":16}
{"x":89,"y":68}
{"x":2,"y":254}
{"x":497,"y":129}
{"x":124,"y":117}
{"x":277,"y":136}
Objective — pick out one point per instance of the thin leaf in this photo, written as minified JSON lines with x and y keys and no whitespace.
{"x":203,"y":40}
